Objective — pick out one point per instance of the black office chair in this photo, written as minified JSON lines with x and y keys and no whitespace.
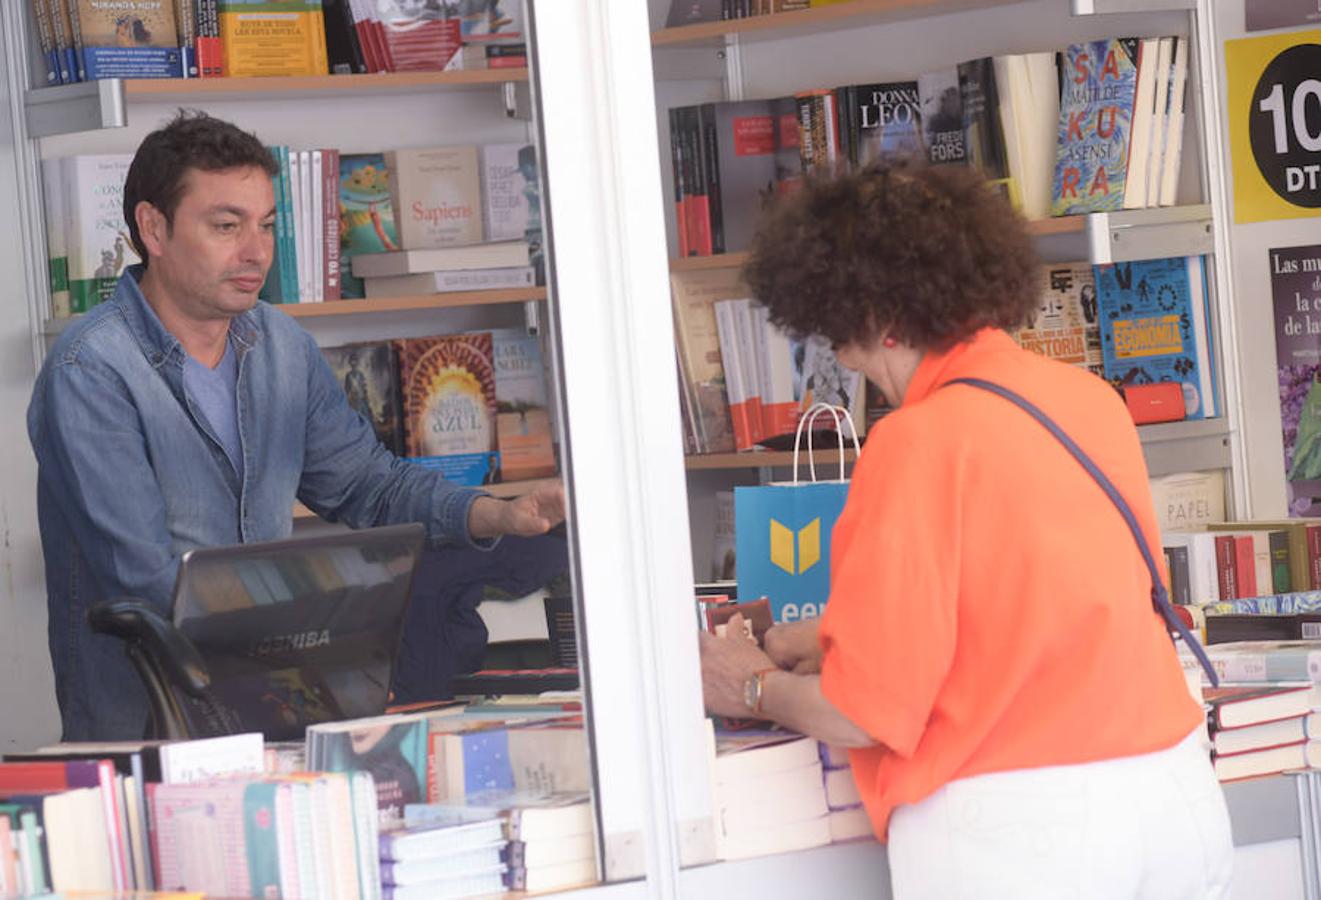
{"x":172,"y":671}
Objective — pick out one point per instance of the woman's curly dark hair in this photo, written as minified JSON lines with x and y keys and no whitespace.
{"x":925,"y":254}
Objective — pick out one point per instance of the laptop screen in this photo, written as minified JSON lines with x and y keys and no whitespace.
{"x":296,"y":631}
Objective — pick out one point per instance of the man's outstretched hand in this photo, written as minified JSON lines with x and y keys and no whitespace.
{"x":535,"y":512}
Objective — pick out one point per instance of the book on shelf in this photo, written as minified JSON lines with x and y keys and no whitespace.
{"x":369,"y":374}
{"x":448,"y":282}
{"x":366,"y":215}
{"x":1098,"y":90}
{"x":1188,"y":500}
{"x":522,"y":416}
{"x":343,"y":47}
{"x":1256,"y":662}
{"x":528,"y":818}
{"x":437,"y":198}
{"x":447,"y":389}
{"x":1027,"y":86}
{"x":467,"y":759}
{"x":1302,"y":755}
{"x":419,"y":843}
{"x":285,"y":37}
{"x":96,"y":238}
{"x":1154,"y":327}
{"x":1303,"y":547}
{"x":1237,"y":706}
{"x":983,"y":129}
{"x":1264,"y":735}
{"x":504,"y":254}
{"x":392,"y":749}
{"x":57,"y":254}
{"x":942,"y":116}
{"x":878,"y":121}
{"x":417,"y":37}
{"x":511,"y":197}
{"x":1223,"y":628}
{"x":493,"y":56}
{"x":126,"y":39}
{"x":1064,"y":326}
{"x":702,"y":370}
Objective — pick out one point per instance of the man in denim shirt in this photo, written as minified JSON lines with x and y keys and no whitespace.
{"x":182,"y":413}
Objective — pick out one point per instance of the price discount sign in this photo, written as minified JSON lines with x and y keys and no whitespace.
{"x":1274,"y":101}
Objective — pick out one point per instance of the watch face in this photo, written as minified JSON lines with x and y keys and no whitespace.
{"x":751,"y":690}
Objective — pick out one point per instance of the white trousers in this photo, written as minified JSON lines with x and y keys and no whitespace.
{"x":1151,"y":826}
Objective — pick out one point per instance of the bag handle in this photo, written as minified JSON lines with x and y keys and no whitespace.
{"x":807,"y":422}
{"x":1160,"y":599}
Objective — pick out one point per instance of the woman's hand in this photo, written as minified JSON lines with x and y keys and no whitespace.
{"x":795,"y":646}
{"x":727,"y":664}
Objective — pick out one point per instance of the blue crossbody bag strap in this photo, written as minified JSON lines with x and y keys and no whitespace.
{"x":1160,"y":599}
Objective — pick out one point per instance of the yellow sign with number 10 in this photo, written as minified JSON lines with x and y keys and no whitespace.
{"x":1275,"y":125}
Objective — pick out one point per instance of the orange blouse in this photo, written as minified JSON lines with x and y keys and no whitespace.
{"x":988,"y":608}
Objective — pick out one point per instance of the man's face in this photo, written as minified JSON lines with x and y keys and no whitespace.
{"x":213,"y":261}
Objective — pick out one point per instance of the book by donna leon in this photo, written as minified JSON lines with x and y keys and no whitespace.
{"x":448,"y":392}
{"x":126,"y":38}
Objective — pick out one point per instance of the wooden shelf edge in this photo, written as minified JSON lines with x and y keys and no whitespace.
{"x":1036,"y":227}
{"x":404,"y":304}
{"x":821,"y":17}
{"x":387,"y":81}
{"x":756,"y":459}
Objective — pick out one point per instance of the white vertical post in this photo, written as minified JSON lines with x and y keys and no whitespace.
{"x":593,"y":87}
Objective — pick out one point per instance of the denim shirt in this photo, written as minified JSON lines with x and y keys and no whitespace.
{"x":130,"y":476}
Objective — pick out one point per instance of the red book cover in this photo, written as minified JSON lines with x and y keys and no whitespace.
{"x":1239,"y":706}
{"x":363,"y":26}
{"x":1225,"y":567}
{"x":38,"y":777}
{"x":1314,"y":555}
{"x":1245,"y":567}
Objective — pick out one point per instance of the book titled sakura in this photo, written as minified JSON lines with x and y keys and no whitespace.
{"x":1096,"y":114}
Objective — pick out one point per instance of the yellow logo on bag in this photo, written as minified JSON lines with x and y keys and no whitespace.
{"x":809,"y":546}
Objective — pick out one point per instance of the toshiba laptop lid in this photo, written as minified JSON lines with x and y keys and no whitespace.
{"x":296,"y":631}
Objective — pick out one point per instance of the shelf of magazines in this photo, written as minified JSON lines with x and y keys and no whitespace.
{"x":93,"y":105}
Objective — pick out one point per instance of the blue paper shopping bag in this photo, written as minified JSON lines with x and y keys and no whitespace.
{"x":782,"y":536}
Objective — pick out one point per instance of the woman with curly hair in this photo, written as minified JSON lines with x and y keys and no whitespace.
{"x":1017,"y":717}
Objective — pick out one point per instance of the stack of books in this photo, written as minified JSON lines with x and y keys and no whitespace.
{"x":769,"y":794}
{"x":461,"y":856}
{"x":1226,"y":561}
{"x":1264,"y":729}
{"x":551,"y":838}
{"x":1263,"y":719}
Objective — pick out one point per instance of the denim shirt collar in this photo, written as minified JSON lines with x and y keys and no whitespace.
{"x":158,"y":344}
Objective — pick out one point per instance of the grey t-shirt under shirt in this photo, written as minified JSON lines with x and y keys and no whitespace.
{"x":215,"y":393}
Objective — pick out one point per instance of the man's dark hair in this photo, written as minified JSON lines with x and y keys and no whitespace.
{"x":191,"y":140}
{"x":925,"y":254}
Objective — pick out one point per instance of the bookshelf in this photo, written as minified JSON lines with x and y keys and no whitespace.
{"x":94,"y":105}
{"x":376,"y":306}
{"x":759,"y":459}
{"x":801,"y":23}
{"x":405,"y":304}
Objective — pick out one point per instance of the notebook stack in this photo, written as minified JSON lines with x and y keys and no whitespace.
{"x":458,"y":855}
{"x":551,"y":841}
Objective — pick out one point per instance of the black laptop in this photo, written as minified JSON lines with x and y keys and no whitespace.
{"x":296,"y":631}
